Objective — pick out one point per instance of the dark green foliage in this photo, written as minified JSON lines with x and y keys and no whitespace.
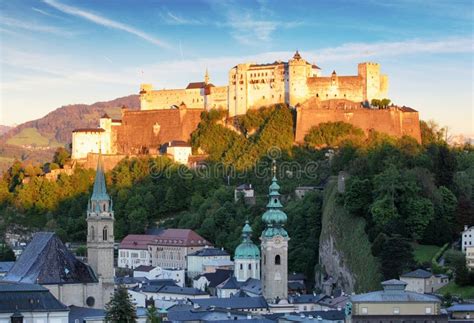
{"x":396,"y":257}
{"x":332,"y":134}
{"x":120,"y":309}
{"x":381,"y":104}
{"x":152,"y":315}
{"x":61,"y":156}
{"x":6,"y":253}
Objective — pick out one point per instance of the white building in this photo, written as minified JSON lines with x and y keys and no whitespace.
{"x":133,"y":251}
{"x":178,"y":151}
{"x":470,"y":257}
{"x":246,"y":191}
{"x":467,"y":238}
{"x":150,"y":272}
{"x":423,"y":281}
{"x":196,"y":261}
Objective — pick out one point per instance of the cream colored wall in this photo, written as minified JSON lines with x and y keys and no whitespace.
{"x":90,"y":142}
{"x":242,"y":271}
{"x":416,"y":285}
{"x":413,"y":308}
{"x":170,"y":256}
{"x":77,"y":294}
{"x":180,"y":154}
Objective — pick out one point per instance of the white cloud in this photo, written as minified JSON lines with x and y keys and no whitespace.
{"x":103,"y":21}
{"x":171,"y":18}
{"x":21,"y":24}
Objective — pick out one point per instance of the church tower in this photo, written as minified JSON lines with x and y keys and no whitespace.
{"x":246,"y":257}
{"x":100,"y":233}
{"x":274,"y":247}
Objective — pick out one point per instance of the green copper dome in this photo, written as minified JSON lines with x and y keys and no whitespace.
{"x":247,"y":249}
{"x":274,"y":217}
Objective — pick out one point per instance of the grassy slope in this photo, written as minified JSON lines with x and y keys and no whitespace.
{"x":31,"y":137}
{"x":466,"y":292}
{"x":424,"y":253}
{"x":351,"y":241}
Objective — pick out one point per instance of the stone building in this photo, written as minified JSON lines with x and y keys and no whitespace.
{"x":274,"y":248}
{"x":423,"y":281}
{"x":246,"y":257}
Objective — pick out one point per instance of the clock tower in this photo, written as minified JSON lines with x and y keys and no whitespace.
{"x":274,"y":248}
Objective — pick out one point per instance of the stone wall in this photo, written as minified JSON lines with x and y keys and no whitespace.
{"x":394,"y":121}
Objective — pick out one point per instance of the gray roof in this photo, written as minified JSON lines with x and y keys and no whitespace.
{"x":253,"y":286}
{"x":308,"y":298}
{"x":181,"y":290}
{"x":230,"y":283}
{"x":27,"y":297}
{"x":209,"y":252}
{"x":233,"y":303}
{"x":5,"y":266}
{"x":461,"y":308}
{"x":419,"y":273}
{"x":394,"y":296}
{"x":217,"y":277}
{"x":81,"y":313}
{"x":46,"y":260}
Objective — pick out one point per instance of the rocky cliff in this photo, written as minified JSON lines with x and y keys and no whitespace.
{"x":345,"y":257}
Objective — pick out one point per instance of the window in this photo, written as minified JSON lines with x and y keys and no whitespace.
{"x":428,"y":310}
{"x":364,"y":310}
{"x":396,"y":310}
{"x":277,"y":260}
{"x":250,"y":266}
{"x":241,"y":266}
{"x":104,"y":234}
{"x":92,"y":233}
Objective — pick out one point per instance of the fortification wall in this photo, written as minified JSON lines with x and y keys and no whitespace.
{"x":395,"y":121}
{"x":109,"y":161}
{"x":85,"y":141}
{"x":339,"y":87}
{"x":145,"y":131}
{"x":164,"y":99}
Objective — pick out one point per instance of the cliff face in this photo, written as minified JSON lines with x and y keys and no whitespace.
{"x":344,"y":249}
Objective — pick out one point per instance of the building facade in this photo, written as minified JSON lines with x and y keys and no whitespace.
{"x":133,"y":251}
{"x":196,"y":261}
{"x":467,"y":238}
{"x":423,"y":281}
{"x":274,"y":248}
{"x":246,"y":257}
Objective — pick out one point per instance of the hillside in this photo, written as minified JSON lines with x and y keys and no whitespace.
{"x":55,"y":128}
{"x":36,"y":140}
{"x":4,"y":129}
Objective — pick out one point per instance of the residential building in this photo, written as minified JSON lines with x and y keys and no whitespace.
{"x":210,"y":281}
{"x":467,"y":238}
{"x":395,"y":304}
{"x":246,"y":192}
{"x":31,"y":303}
{"x":246,"y":304}
{"x":461,"y":312}
{"x":93,"y":315}
{"x":179,"y":151}
{"x":172,"y":247}
{"x":309,"y":302}
{"x":151,"y":273}
{"x":210,"y":266}
{"x":247,"y":257}
{"x":470,"y":257}
{"x":301,"y":191}
{"x":423,"y":281}
{"x":133,"y":251}
{"x":197,"y":259}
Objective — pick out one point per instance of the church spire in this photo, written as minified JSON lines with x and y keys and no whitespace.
{"x":274,"y":217}
{"x":206,"y":77}
{"x":99,"y":192}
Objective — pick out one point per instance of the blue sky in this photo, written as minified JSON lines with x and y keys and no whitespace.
{"x":58,"y":52}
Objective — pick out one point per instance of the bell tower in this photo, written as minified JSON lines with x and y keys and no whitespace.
{"x":100,"y":233}
{"x":274,"y":247}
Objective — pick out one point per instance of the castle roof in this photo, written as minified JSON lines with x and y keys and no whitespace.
{"x":46,"y":260}
{"x":89,"y":130}
{"x":198,"y":85}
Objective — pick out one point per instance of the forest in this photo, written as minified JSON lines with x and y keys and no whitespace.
{"x":405,"y":191}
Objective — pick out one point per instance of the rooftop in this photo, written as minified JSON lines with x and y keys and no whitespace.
{"x":5,"y":266}
{"x":27,"y":297}
{"x":137,"y":241}
{"x":419,"y":273}
{"x":209,"y":252}
{"x":46,"y":260}
{"x":216,"y":278}
{"x":233,"y":303}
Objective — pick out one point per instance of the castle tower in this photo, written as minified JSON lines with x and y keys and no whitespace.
{"x":298,"y":72}
{"x":374,"y":84}
{"x":274,"y":248}
{"x":100,"y":233}
{"x":246,"y":257}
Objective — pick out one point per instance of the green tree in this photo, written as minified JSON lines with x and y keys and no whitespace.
{"x":152,"y":314}
{"x":396,"y":257}
{"x":358,"y":196}
{"x":61,"y":156}
{"x":332,"y":134}
{"x":6,"y":253}
{"x":120,"y":309}
{"x":138,"y":220}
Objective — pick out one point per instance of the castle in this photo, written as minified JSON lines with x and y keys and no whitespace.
{"x":255,"y":85}
{"x":172,"y":115}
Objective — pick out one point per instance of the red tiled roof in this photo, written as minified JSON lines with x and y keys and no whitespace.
{"x":180,"y":237}
{"x":198,"y":85}
{"x":137,"y":241}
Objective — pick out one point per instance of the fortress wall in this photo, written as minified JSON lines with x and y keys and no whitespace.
{"x":163,"y":99}
{"x":146,"y":130}
{"x":393,"y":121}
{"x":344,"y":87}
{"x":218,"y":98}
{"x":84,"y":142}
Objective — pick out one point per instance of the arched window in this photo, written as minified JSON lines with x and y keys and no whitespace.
{"x":241,"y":266}
{"x":104,"y":233}
{"x":250,"y":266}
{"x":104,"y":207}
{"x":277,"y":260}
{"x":92,"y":233}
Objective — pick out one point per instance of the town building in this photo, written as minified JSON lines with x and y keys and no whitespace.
{"x":197,"y":260}
{"x":396,"y":304}
{"x":246,"y":304}
{"x":246,"y":257}
{"x":467,"y":238}
{"x":461,"y":313}
{"x":301,"y":191}
{"x":212,"y":265}
{"x":31,"y":303}
{"x":94,"y":315}
{"x":133,"y":251}
{"x":246,"y":192}
{"x":210,"y":281}
{"x":152,"y":273}
{"x":470,"y":257}
{"x":178,"y":151}
{"x":274,"y":248}
{"x":423,"y":281}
